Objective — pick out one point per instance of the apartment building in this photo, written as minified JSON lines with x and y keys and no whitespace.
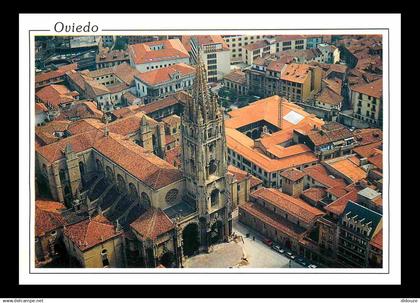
{"x":300,"y":82}
{"x":272,"y":45}
{"x":214,"y":52}
{"x":157,"y":54}
{"x":237,"y":42}
{"x":159,"y":83}
{"x":367,"y":102}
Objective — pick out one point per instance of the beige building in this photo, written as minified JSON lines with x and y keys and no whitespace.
{"x":367,"y":102}
{"x":236,"y":81}
{"x":159,"y":83}
{"x":111,"y":58}
{"x":157,"y":54}
{"x":237,"y":42}
{"x":260,"y":139}
{"x":106,"y":86}
{"x":242,"y":184}
{"x":283,"y":219}
{"x":93,"y":249}
{"x":213,"y":51}
{"x":300,"y":82}
{"x":48,"y":230}
{"x":272,"y":45}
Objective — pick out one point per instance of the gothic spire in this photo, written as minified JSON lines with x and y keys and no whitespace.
{"x":201,"y":108}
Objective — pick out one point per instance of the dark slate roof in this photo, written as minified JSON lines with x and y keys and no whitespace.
{"x":363,"y":212}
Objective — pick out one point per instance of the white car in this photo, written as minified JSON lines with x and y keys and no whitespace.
{"x":312,"y":266}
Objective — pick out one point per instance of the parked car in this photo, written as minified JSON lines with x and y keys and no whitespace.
{"x":312,"y":266}
{"x":268,"y":241}
{"x":277,"y":248}
{"x":301,"y":261}
{"x":291,"y":255}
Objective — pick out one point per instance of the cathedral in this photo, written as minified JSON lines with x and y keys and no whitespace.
{"x":112,"y":176}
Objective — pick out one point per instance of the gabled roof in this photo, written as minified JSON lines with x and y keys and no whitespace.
{"x":91,"y":232}
{"x":288,"y":204}
{"x":362,"y":212}
{"x":152,"y":224}
{"x":165,"y":74}
{"x":144,"y":53}
{"x":320,"y":174}
{"x":337,"y":207}
{"x":48,"y":216}
{"x":293,"y":174}
{"x":55,"y":95}
{"x":373,"y":89}
{"x":154,"y":171}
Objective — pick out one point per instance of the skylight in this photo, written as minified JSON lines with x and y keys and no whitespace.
{"x":293,"y":117}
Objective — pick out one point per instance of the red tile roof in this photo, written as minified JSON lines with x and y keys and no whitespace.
{"x":172,"y":49}
{"x":293,"y":174}
{"x":47,"y":216}
{"x":154,"y":171}
{"x":290,"y":205}
{"x":295,"y":72}
{"x":320,"y":174}
{"x":368,"y":136}
{"x":152,"y":224}
{"x":204,"y":40}
{"x":55,"y":95}
{"x":91,"y":232}
{"x":276,"y":222}
{"x":315,"y":193}
{"x":337,"y":207}
{"x":55,"y":74}
{"x":337,"y":191}
{"x":165,"y":74}
{"x":373,"y":89}
{"x":377,"y":240}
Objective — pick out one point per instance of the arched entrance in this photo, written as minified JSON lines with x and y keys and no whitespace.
{"x":190,"y":240}
{"x":168,"y":260}
{"x":288,"y":244}
{"x":216,"y":233}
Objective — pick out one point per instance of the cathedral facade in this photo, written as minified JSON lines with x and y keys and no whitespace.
{"x":116,"y":171}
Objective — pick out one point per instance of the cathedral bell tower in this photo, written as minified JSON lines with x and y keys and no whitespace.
{"x":204,"y":161}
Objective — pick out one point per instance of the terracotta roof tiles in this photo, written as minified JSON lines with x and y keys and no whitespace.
{"x":91,"y":232}
{"x":152,"y":224}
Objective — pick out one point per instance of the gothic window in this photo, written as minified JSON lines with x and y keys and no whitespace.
{"x":212,"y":167}
{"x":133,"y":192}
{"x":82,"y":168}
{"x":62,"y":175}
{"x":66,"y":190}
{"x":214,"y":197}
{"x":121,"y":183}
{"x":99,"y":165}
{"x":109,"y":174}
{"x":171,"y":196}
{"x":145,"y":199}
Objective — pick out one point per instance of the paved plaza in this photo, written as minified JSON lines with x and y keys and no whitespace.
{"x":241,"y":252}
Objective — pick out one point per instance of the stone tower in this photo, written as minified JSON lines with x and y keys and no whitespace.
{"x":204,"y":161}
{"x":145,"y":134}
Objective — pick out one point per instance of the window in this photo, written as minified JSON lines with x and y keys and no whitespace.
{"x":171,"y":195}
{"x":104,"y":255}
